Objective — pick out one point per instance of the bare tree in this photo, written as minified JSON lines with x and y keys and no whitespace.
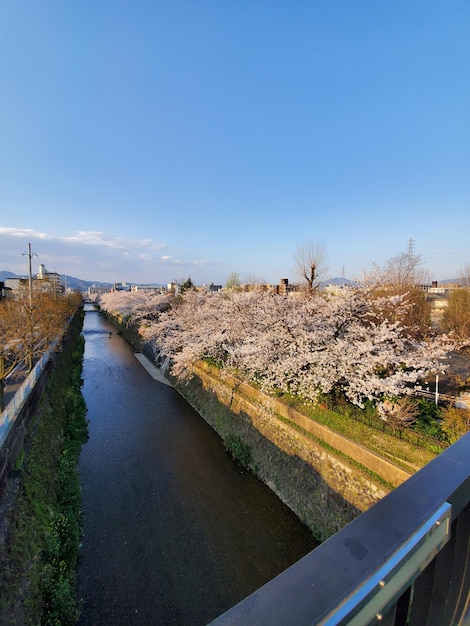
{"x":233,"y":281}
{"x":400,"y":414}
{"x":254,"y":282}
{"x":27,"y":329}
{"x":402,"y":275}
{"x":310,"y":263}
{"x":464,"y":275}
{"x":457,"y":314}
{"x":403,"y":271}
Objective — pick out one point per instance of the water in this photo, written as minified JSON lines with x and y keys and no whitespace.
{"x":174,"y":531}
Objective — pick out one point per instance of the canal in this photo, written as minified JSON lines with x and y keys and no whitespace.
{"x":175,"y":532}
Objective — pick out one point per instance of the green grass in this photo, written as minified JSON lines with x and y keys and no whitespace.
{"x":399,"y":451}
{"x":410,"y":451}
{"x":38,"y":557}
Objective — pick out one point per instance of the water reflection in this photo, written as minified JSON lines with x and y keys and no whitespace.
{"x":175,"y":533}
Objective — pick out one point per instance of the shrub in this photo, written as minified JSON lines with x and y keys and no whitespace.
{"x":239,"y":450}
{"x":428,"y":420}
{"x":455,"y":422}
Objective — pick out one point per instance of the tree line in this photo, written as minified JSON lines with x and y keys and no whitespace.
{"x":371,"y":344}
{"x":29,"y":324}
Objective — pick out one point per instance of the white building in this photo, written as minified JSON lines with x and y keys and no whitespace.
{"x":48,"y":281}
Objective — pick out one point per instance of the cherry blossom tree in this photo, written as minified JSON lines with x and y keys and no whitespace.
{"x":344,"y":343}
{"x":137,"y":306}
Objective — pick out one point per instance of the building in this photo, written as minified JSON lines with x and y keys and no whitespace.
{"x":48,"y":281}
{"x":121,"y":287}
{"x":438,"y":298}
{"x":16,"y":285}
{"x":173,"y":288}
{"x":149,"y":288}
{"x":97,"y":289}
{"x":213,"y":287}
{"x":284,"y":288}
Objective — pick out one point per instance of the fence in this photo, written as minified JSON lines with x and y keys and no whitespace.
{"x":13,"y":408}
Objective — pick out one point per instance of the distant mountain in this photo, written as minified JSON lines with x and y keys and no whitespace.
{"x":336,"y":281}
{"x":68,"y":281}
{"x":449,"y":281}
{"x":81,"y":285}
{"x":5,"y":274}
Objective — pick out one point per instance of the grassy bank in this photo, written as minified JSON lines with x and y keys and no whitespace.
{"x":400,"y":451}
{"x":39,"y":553}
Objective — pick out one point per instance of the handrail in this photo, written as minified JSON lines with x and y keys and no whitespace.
{"x":406,"y":560}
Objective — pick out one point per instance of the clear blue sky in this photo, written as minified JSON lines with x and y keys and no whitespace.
{"x":144,"y":141}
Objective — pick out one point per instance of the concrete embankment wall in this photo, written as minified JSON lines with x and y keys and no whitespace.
{"x":387,"y":471}
{"x":324,"y":490}
{"x":323,"y":477}
{"x":14,"y":441}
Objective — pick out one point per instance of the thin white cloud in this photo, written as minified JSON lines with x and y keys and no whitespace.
{"x":94,"y":238}
{"x":23,"y":233}
{"x":97,"y":238}
{"x":94,"y":255}
{"x":84,"y":237}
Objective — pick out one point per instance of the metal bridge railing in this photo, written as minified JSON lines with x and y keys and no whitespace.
{"x":405,"y":561}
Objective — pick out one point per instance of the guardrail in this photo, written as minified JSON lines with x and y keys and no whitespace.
{"x":431,"y":395}
{"x":405,"y":561}
{"x":13,"y":408}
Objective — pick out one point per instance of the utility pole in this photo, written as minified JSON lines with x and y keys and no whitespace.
{"x":29,"y":254}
